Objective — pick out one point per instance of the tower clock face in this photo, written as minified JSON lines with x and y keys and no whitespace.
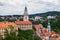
{"x":26,"y":17}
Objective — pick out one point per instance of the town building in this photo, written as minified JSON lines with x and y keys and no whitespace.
{"x":38,"y":18}
{"x":43,"y":33}
{"x":7,"y":25}
{"x":25,"y":24}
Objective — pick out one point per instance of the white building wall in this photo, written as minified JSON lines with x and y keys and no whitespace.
{"x":25,"y":27}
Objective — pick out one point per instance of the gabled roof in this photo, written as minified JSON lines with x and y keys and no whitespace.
{"x":23,"y":22}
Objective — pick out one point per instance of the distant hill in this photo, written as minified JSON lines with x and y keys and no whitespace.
{"x":40,"y":14}
{"x":52,"y":13}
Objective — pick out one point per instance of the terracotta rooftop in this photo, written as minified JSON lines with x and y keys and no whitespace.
{"x":7,"y":24}
{"x":38,"y":26}
{"x":45,"y":30}
{"x":23,"y":22}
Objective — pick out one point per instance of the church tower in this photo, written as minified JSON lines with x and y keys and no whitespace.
{"x":26,"y":18}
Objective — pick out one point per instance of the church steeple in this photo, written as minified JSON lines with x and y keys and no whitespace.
{"x":25,"y":11}
{"x":26,"y":18}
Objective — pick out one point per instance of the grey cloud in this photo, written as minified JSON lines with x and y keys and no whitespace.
{"x":34,"y":6}
{"x":1,"y":4}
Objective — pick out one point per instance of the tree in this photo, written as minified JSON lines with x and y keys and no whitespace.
{"x":1,"y":38}
{"x":11,"y":35}
{"x":36,"y":22}
{"x":1,"y":19}
{"x":35,"y":36}
{"x":22,"y":38}
{"x":26,"y":34}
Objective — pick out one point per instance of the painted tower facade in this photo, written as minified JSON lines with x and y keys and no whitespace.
{"x":26,"y":17}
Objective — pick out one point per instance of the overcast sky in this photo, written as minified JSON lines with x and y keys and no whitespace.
{"x":10,"y":7}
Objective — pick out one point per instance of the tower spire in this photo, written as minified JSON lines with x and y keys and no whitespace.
{"x":25,"y":11}
{"x":26,"y":14}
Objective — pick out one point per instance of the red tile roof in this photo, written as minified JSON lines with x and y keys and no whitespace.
{"x":23,"y":22}
{"x":38,"y":26}
{"x":45,"y":31}
{"x":52,"y":32}
{"x":7,"y":24}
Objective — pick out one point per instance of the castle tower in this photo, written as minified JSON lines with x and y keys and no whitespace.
{"x":26,"y":18}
